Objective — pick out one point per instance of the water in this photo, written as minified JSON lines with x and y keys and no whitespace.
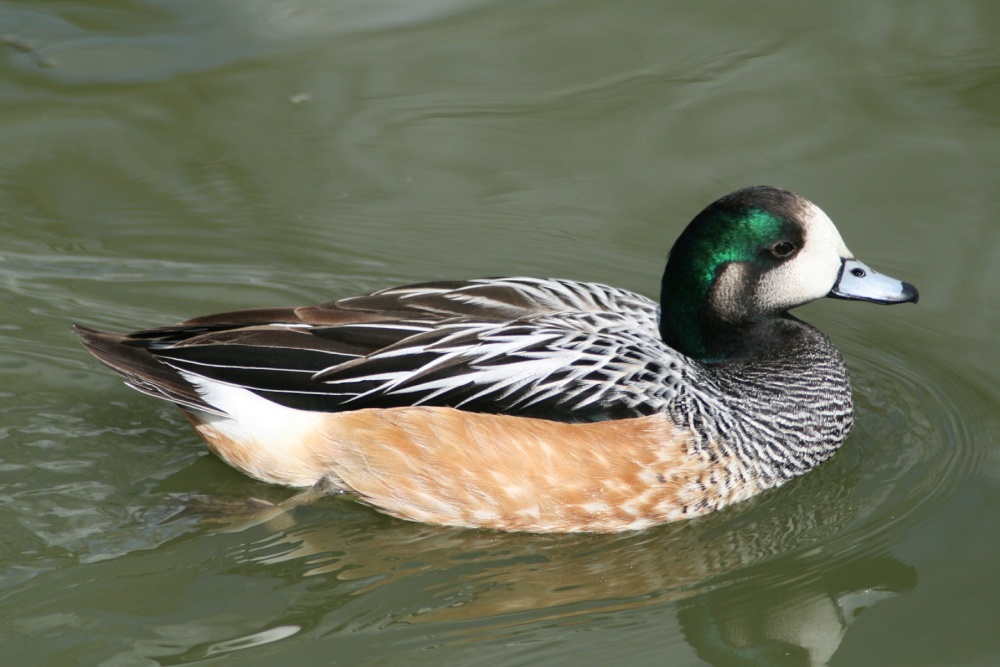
{"x":166,"y":159}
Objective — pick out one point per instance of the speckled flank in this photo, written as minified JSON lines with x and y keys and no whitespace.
{"x":441,"y":465}
{"x":447,"y":466}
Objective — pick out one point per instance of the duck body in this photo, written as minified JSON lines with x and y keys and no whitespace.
{"x":537,"y":404}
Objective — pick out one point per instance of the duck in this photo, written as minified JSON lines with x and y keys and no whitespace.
{"x":537,"y":405}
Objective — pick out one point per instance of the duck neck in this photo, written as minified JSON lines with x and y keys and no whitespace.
{"x":794,"y":407}
{"x":703,"y":318}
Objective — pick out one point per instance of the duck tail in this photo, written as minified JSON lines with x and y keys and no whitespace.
{"x":131,"y":358}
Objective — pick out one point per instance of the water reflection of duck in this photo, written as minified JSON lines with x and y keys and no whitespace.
{"x":751,"y":582}
{"x":776,"y":623}
{"x":538,"y":405}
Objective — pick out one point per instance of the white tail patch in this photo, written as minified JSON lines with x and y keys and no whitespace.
{"x":260,"y":437}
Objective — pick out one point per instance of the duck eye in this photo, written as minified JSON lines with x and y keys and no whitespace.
{"x":783,"y":249}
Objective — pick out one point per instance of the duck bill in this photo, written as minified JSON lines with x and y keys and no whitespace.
{"x":858,"y":282}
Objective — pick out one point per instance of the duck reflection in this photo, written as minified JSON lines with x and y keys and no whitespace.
{"x":773,"y":581}
{"x":775,"y":623}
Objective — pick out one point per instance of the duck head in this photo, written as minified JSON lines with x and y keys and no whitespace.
{"x":745,"y":261}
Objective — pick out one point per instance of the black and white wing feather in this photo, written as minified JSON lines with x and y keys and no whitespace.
{"x":546,"y":348}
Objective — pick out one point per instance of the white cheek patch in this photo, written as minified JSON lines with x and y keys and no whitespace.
{"x":821,"y":231}
{"x":812,"y":273}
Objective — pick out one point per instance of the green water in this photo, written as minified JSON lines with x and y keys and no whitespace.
{"x":164,"y":159}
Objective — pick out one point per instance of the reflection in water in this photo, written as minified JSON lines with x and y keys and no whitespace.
{"x":788,"y":625}
{"x":767,"y":580}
